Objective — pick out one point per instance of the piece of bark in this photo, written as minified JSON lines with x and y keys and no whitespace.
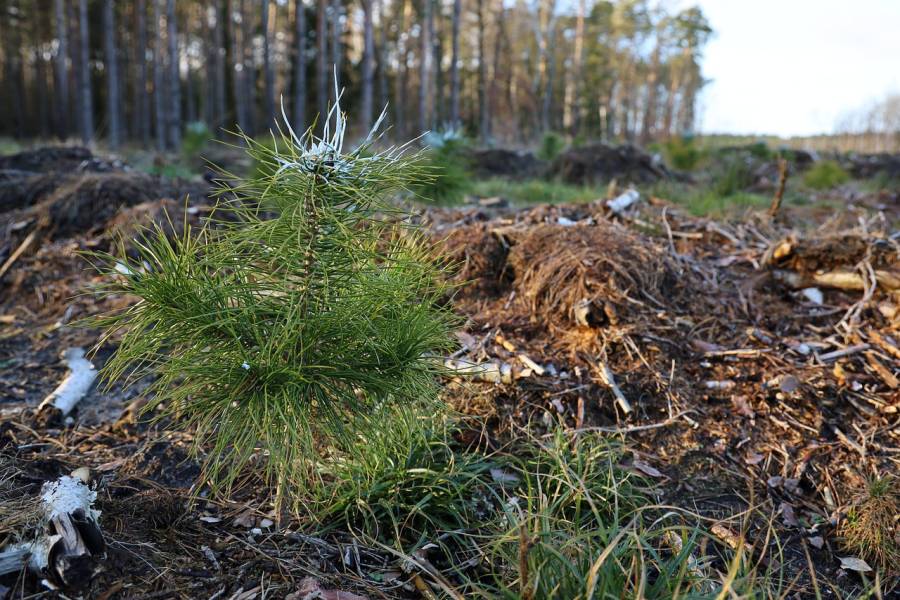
{"x":69,"y":541}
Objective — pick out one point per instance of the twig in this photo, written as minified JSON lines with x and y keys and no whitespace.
{"x":607,"y":377}
{"x":828,"y":356}
{"x":17,"y":253}
{"x":779,"y":192}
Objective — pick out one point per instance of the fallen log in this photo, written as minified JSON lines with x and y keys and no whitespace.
{"x":68,"y":541}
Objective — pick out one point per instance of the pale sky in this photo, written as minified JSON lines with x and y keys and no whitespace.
{"x":792,"y":67}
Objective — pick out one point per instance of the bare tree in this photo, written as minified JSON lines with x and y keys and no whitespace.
{"x":368,"y":66}
{"x":268,"y":70}
{"x":113,"y":97}
{"x":87,"y":104}
{"x":299,"y":112}
{"x":61,"y":70}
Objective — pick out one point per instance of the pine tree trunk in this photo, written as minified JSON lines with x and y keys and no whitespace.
{"x":249,"y":72}
{"x":268,"y":71}
{"x":454,"y":64}
{"x":439,"y":104}
{"x":159,"y":105}
{"x":400,"y":77}
{"x":483,"y":123}
{"x":219,"y":52}
{"x":336,"y":33}
{"x":322,"y":61}
{"x":578,"y":70}
{"x":382,"y":55}
{"x":368,"y":66}
{"x":425,"y":68}
{"x":174,"y":77}
{"x":142,"y":112}
{"x":62,"y":70}
{"x":236,"y":66}
{"x":87,"y":104}
{"x":299,"y":113}
{"x":42,"y":82}
{"x":113,"y":99}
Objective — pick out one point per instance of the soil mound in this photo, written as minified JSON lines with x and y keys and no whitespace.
{"x":599,"y":163}
{"x":479,"y":258}
{"x":45,"y":160}
{"x":589,"y":275}
{"x":498,"y":162}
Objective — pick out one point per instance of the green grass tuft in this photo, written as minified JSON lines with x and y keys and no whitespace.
{"x":825,"y":175}
{"x":536,"y":191}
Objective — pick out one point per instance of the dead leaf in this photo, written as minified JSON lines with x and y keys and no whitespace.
{"x":852,"y":563}
{"x":788,"y":516}
{"x":817,"y":542}
{"x":754,"y":458}
{"x":646,"y":469}
{"x":245,"y":519}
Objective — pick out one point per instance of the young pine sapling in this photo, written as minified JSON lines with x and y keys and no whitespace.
{"x":304,"y":306}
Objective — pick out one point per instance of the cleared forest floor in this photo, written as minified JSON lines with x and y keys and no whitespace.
{"x":747,"y":366}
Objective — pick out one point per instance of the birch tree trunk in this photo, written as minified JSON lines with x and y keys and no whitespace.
{"x":113,"y":98}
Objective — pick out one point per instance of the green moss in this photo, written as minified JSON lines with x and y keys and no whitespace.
{"x":536,"y":191}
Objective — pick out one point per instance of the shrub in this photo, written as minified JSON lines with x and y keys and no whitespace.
{"x":274,"y":329}
{"x":825,"y":175}
{"x":551,"y":145}
{"x":682,"y":153}
{"x":446,"y":166}
{"x":734,"y":175}
{"x":196,"y":136}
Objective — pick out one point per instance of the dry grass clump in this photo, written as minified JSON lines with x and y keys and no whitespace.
{"x":479,"y":258}
{"x":872,"y":527}
{"x":592,"y":275}
{"x":18,"y":511}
